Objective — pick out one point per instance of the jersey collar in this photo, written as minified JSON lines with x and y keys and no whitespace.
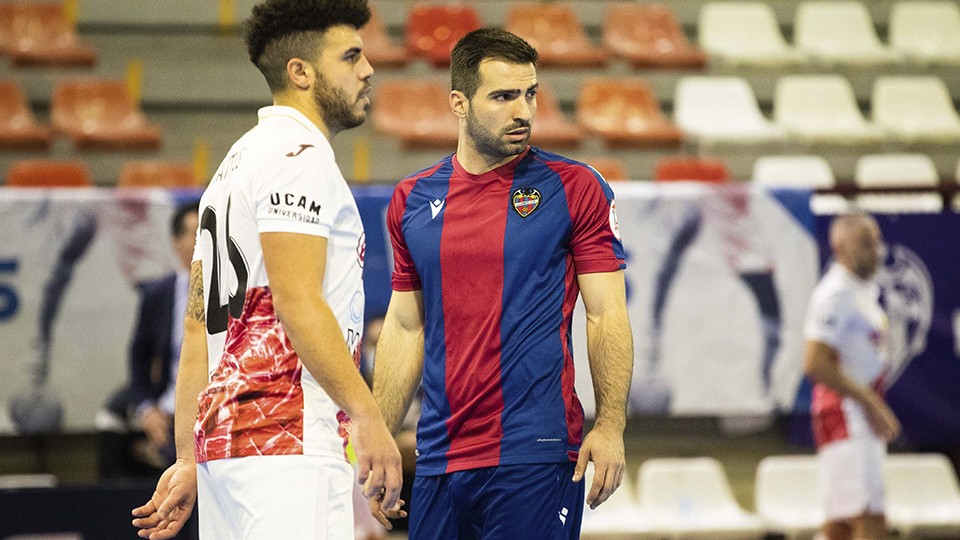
{"x":503,"y":171}
{"x":286,"y":113}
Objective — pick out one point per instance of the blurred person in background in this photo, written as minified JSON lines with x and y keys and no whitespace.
{"x":492,"y":246}
{"x":135,"y":429}
{"x":845,"y":333}
{"x":269,"y":389}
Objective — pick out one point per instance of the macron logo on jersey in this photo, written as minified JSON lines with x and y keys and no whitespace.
{"x":435,"y":207}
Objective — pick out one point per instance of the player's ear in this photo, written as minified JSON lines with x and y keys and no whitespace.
{"x":300,"y":73}
{"x":459,"y":103}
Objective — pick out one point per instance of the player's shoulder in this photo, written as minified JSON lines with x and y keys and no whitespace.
{"x":570,"y":170}
{"x":288,"y":146}
{"x":833,"y":290}
{"x":439,"y":170}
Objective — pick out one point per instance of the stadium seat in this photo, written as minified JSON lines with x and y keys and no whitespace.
{"x":821,"y":108}
{"x":625,"y":113}
{"x":18,"y":128}
{"x":554,"y":30}
{"x":923,"y":496}
{"x":45,"y":173}
{"x":745,"y":33}
{"x":787,"y":494}
{"x":551,"y":127}
{"x":721,"y":109}
{"x":898,"y":170}
{"x":100,"y":114}
{"x":691,"y":498}
{"x":379,"y":49}
{"x":915,"y":109}
{"x":649,"y":37}
{"x":41,"y":35}
{"x":611,"y":169}
{"x":433,"y":29}
{"x":691,"y":169}
{"x":157,"y":173}
{"x":793,"y":171}
{"x":417,"y":112}
{"x":926,"y":32}
{"x":839,"y":32}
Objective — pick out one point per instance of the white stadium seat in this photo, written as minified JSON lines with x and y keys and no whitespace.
{"x":744,"y":33}
{"x":721,"y":109}
{"x":926,"y":32}
{"x":839,"y":33}
{"x":788,"y":496}
{"x":822,"y":108}
{"x":923,"y":497}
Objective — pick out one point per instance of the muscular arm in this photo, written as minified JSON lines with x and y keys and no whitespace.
{"x":295,"y":265}
{"x":822,"y":366}
{"x":399,"y":356}
{"x":610,"y":351}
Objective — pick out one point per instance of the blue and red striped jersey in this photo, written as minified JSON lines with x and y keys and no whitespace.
{"x":496,"y":256}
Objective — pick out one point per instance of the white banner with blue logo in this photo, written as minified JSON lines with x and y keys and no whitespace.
{"x":718,"y":282}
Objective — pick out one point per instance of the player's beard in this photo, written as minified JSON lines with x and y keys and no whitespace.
{"x":495,"y":145}
{"x":336,"y":108}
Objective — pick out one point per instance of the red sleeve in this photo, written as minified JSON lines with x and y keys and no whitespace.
{"x":595,"y":238}
{"x":405,"y":277}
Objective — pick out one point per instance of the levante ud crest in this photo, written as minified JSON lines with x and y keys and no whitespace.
{"x":526,"y":200}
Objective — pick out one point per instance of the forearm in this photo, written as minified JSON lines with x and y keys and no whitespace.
{"x":397,"y":370}
{"x":191,"y":381}
{"x":610,"y":350}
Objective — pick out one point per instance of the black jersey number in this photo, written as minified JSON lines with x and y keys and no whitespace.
{"x":217,"y":310}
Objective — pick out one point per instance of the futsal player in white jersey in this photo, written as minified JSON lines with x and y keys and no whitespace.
{"x":268,"y":387}
{"x":846,"y":330}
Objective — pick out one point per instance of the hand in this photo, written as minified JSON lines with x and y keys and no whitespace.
{"x":382,"y":514}
{"x":379,"y":462}
{"x":171,"y":504}
{"x":605,"y":449}
{"x":156,"y":424}
{"x":881,"y":418}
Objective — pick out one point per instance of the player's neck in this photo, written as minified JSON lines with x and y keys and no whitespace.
{"x":476,"y":162}
{"x":307,"y":107}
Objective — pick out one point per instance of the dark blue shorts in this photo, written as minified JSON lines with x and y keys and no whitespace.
{"x":529,"y":502}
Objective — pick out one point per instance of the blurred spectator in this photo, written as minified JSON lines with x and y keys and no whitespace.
{"x":136,"y":427}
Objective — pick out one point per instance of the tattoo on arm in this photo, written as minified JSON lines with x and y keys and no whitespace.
{"x":195,"y":308}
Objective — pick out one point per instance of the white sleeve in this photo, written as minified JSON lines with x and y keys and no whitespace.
{"x":297,"y":194}
{"x":826,"y":319}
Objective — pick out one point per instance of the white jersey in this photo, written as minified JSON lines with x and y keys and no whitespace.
{"x":281,"y":176}
{"x":845,"y":313}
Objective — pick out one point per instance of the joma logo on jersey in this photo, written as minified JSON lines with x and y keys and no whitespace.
{"x":526,"y":200}
{"x":298,"y":201}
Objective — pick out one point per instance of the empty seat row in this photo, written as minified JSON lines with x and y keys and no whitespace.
{"x":93,"y":113}
{"x":41,"y":173}
{"x":650,"y":36}
{"x":625,"y":113}
{"x":831,"y":32}
{"x":42,"y":35}
{"x":692,"y":498}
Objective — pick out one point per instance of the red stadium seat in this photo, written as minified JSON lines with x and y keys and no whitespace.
{"x":41,"y":35}
{"x":612,"y":169}
{"x":100,"y":114}
{"x":379,"y":49}
{"x":680,"y":169}
{"x":551,"y":128}
{"x":625,"y":113}
{"x":649,"y":36}
{"x":157,"y":173}
{"x":556,"y":33}
{"x":433,"y":29}
{"x":416,"y":111}
{"x":43,"y":173}
{"x":18,"y":128}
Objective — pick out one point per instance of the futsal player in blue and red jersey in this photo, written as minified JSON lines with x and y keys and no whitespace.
{"x":492,"y":245}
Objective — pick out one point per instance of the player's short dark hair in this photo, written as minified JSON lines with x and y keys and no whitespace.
{"x":279,"y":30}
{"x":178,"y":221}
{"x":480,"y":45}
